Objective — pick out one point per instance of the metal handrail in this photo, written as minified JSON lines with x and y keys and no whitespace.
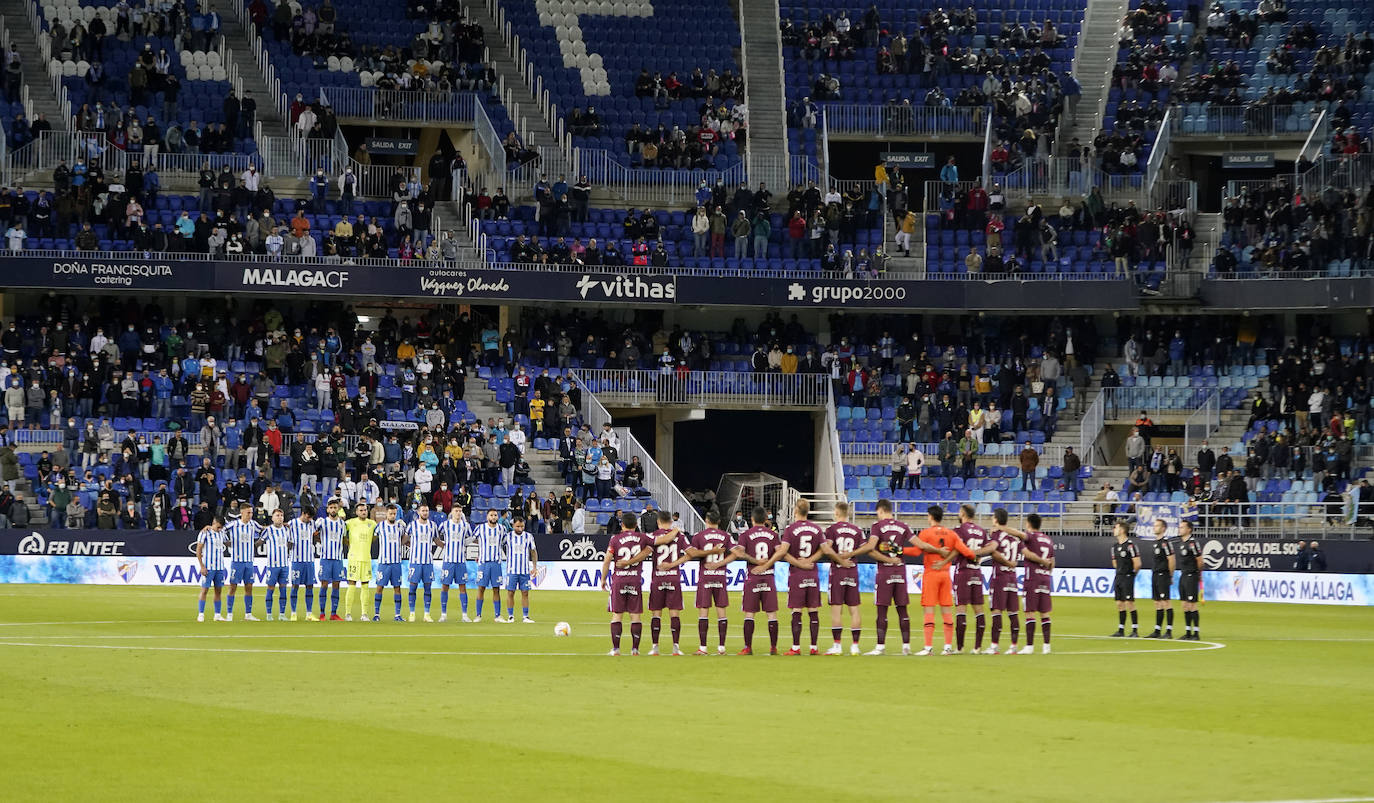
{"x":634,"y":388}
{"x":658,"y":483}
{"x":902,"y":120}
{"x":833,"y":443}
{"x":595,"y":416}
{"x":1123,"y":402}
{"x":881,"y":451}
{"x":1200,"y":425}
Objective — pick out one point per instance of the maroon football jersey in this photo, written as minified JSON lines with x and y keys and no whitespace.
{"x":707,"y":539}
{"x":845,"y":536}
{"x":803,"y":539}
{"x":759,"y":543}
{"x":1010,"y":547}
{"x":669,"y":552}
{"x":623,"y":546}
{"x":1043,"y":546}
{"x":975,"y":538}
{"x":895,"y":533}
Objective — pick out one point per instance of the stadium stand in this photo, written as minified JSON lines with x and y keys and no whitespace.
{"x":686,"y":101}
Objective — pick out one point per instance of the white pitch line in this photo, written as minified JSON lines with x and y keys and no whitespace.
{"x":287,"y":635}
{"x":286,"y":652}
{"x":1200,"y":646}
{"x":1307,"y":800}
{"x":106,"y":622}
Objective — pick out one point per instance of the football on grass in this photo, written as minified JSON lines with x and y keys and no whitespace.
{"x":562,"y":629}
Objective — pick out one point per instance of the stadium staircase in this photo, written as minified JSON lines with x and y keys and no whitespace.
{"x":1092,"y":66}
{"x":767,"y":157}
{"x":240,"y":53}
{"x":1207,"y":228}
{"x":34,"y":67}
{"x":523,"y":106}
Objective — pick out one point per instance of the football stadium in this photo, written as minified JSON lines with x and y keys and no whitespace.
{"x":451,"y":388}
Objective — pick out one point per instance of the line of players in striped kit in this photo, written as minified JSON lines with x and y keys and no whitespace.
{"x":802,"y":545}
{"x":225,"y":553}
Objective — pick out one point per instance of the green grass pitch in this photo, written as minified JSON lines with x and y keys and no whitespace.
{"x":116,"y":693}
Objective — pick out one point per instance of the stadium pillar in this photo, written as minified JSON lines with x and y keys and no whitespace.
{"x":664,"y":432}
{"x":506,"y":317}
{"x":4,"y":305}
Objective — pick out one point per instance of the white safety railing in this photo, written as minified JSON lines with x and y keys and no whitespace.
{"x":1090,"y":429}
{"x":1337,"y":171}
{"x":1155,"y":164}
{"x":1129,"y":402}
{"x":594,"y":413}
{"x":831,"y":444}
{"x":987,"y":154}
{"x":825,"y":152}
{"x":490,"y":141}
{"x":49,"y":148}
{"x":1255,"y":119}
{"x":657,"y":482}
{"x":54,"y":70}
{"x":670,"y":186}
{"x":533,"y":82}
{"x":260,"y":57}
{"x":1203,"y":421}
{"x":400,"y":105}
{"x":870,"y":452}
{"x":1316,"y":142}
{"x":631,"y":388}
{"x":905,"y":120}
{"x":804,"y":169}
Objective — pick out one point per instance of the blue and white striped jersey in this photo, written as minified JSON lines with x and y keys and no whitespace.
{"x":278,"y":543}
{"x":389,"y":541}
{"x":331,"y":538}
{"x":518,"y":551}
{"x":241,"y":537}
{"x":422,"y":532}
{"x":457,"y":532}
{"x":489,"y":537}
{"x":302,"y":540}
{"x":212,"y":548}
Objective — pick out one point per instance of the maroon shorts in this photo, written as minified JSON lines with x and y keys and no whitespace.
{"x":804,"y":589}
{"x":844,"y":586}
{"x":626,"y":597}
{"x":1005,"y":596}
{"x":712,"y":593}
{"x":891,"y":588}
{"x":1038,"y":598}
{"x":968,"y":588}
{"x":760,"y":594}
{"x":665,"y":593}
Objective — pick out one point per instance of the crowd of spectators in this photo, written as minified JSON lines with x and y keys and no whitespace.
{"x":1278,"y":229}
{"x":310,"y":406}
{"x":232,"y":214}
{"x":694,"y":147}
{"x":1132,"y":240}
{"x":444,"y":56}
{"x":1026,"y":95}
{"x":1320,"y":71}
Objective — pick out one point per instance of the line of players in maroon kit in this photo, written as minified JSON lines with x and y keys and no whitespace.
{"x":802,"y":544}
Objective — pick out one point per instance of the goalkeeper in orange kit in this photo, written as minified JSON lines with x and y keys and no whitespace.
{"x":936,"y":589}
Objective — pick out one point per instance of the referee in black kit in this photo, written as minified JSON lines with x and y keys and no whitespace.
{"x":1126,"y":558}
{"x":1190,"y":580}
{"x":1162,"y":581}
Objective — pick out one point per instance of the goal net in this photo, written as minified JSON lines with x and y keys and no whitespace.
{"x":747,"y":491}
